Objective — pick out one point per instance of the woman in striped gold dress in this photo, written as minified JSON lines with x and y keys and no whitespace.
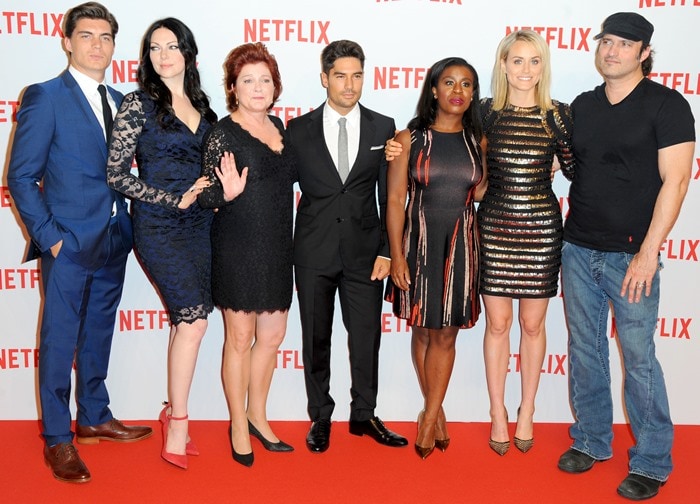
{"x":520,"y":222}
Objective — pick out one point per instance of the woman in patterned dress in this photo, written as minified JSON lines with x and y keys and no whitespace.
{"x":520,"y":222}
{"x":433,"y":239}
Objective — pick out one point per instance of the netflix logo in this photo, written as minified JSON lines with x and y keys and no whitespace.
{"x":678,"y":328}
{"x":43,"y":24}
{"x":286,"y":30}
{"x":19,"y":278}
{"x":8,"y":111}
{"x":559,"y":37}
{"x":391,"y":323}
{"x":553,"y":364}
{"x":5,"y":198}
{"x":124,"y":71}
{"x":19,"y":358}
{"x":684,"y":83}
{"x":399,"y":77}
{"x":289,"y":359}
{"x":668,"y":3}
{"x":697,"y":169}
{"x":681,"y":250}
{"x":143,"y":320}
{"x":289,"y":113}
{"x":456,"y":2}
{"x":674,"y":328}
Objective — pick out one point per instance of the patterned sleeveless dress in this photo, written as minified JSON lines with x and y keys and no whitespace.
{"x":440,"y":237}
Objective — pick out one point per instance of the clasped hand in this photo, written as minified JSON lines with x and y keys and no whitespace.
{"x":190,"y":195}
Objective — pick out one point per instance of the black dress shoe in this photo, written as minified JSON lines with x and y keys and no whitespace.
{"x":279,"y":446}
{"x":376,"y":429}
{"x":245,"y":459}
{"x":574,"y":461}
{"x":638,"y":487}
{"x":319,"y":436}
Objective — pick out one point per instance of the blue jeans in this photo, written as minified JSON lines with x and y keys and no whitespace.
{"x":590,"y":280}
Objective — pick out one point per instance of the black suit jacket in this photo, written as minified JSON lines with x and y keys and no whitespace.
{"x":334,"y":217}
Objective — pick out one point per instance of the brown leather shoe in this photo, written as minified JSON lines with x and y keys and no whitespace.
{"x":113,"y":430}
{"x":65,"y":463}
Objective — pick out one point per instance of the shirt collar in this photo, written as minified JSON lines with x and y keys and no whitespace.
{"x":331,"y":115}
{"x":87,"y":84}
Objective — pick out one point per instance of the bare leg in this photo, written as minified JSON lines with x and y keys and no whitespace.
{"x":419,"y":345}
{"x":533,"y":344}
{"x":499,"y":317}
{"x":270,"y":332}
{"x":240,"y":330}
{"x":438,"y":364}
{"x":185,"y":339}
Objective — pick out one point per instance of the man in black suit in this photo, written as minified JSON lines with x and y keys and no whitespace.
{"x":340,"y":241}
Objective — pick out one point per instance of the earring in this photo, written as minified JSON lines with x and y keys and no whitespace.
{"x":434,"y":97}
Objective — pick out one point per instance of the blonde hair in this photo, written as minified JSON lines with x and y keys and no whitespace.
{"x":499,"y":81}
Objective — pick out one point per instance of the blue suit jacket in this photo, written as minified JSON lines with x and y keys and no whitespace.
{"x":59,"y":142}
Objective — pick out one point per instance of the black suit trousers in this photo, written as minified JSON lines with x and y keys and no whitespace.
{"x":361,"y":307}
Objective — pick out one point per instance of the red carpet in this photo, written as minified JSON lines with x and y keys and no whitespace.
{"x":353,"y":470}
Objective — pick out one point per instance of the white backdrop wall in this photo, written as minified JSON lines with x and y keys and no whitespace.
{"x":401,"y":39}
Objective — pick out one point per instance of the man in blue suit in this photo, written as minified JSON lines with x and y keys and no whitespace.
{"x":81,"y":230}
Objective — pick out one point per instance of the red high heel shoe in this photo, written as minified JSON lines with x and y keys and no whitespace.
{"x":190,"y":448}
{"x":174,"y":458}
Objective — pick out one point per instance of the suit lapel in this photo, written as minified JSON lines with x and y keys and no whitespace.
{"x":87,"y":112}
{"x":367,"y":135}
{"x":318,"y":143}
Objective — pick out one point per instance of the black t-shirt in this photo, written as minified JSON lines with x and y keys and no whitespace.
{"x":616,"y":182}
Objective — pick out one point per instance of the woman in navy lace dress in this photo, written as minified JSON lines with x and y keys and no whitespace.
{"x":163,"y":124}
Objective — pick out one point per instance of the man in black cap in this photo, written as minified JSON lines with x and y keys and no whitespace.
{"x":634,"y":141}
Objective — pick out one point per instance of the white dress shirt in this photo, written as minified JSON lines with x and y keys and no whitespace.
{"x":330,"y":132}
{"x":89,"y":88}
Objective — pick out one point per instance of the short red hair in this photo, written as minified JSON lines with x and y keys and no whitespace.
{"x":239,"y":57}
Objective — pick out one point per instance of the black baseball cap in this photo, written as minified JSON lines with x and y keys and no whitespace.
{"x":628,"y":25}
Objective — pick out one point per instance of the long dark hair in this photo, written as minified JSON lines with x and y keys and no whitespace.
{"x":151,"y":83}
{"x":426,"y":110}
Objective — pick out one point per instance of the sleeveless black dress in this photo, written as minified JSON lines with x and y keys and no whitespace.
{"x":440,"y":237}
{"x":520,"y":221}
{"x":251,"y":236}
{"x":172,"y":245}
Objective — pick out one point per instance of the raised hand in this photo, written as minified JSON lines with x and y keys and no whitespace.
{"x":232,"y":182}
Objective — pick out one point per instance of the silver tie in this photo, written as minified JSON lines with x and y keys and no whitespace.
{"x":343,"y":162}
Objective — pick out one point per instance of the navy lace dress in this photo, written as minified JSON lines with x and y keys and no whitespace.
{"x":173,"y":245}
